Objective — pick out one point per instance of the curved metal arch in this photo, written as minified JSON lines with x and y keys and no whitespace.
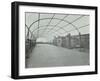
{"x":29,"y":31}
{"x":71,"y":24}
{"x":80,"y":27}
{"x":49,"y":25}
{"x":54,"y":18}
{"x":44,"y":28}
{"x":56,"y":23}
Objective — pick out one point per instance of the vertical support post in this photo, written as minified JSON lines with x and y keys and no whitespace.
{"x":28,"y":33}
{"x":80,"y":40}
{"x":38,"y":25}
{"x":69,"y":40}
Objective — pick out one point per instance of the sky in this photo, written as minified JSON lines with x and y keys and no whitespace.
{"x":49,"y":25}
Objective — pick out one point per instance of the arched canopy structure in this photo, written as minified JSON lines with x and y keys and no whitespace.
{"x":54,"y":24}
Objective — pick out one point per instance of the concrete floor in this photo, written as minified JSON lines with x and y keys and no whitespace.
{"x":45,"y":55}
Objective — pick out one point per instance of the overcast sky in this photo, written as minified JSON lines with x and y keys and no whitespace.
{"x":51,"y":25}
